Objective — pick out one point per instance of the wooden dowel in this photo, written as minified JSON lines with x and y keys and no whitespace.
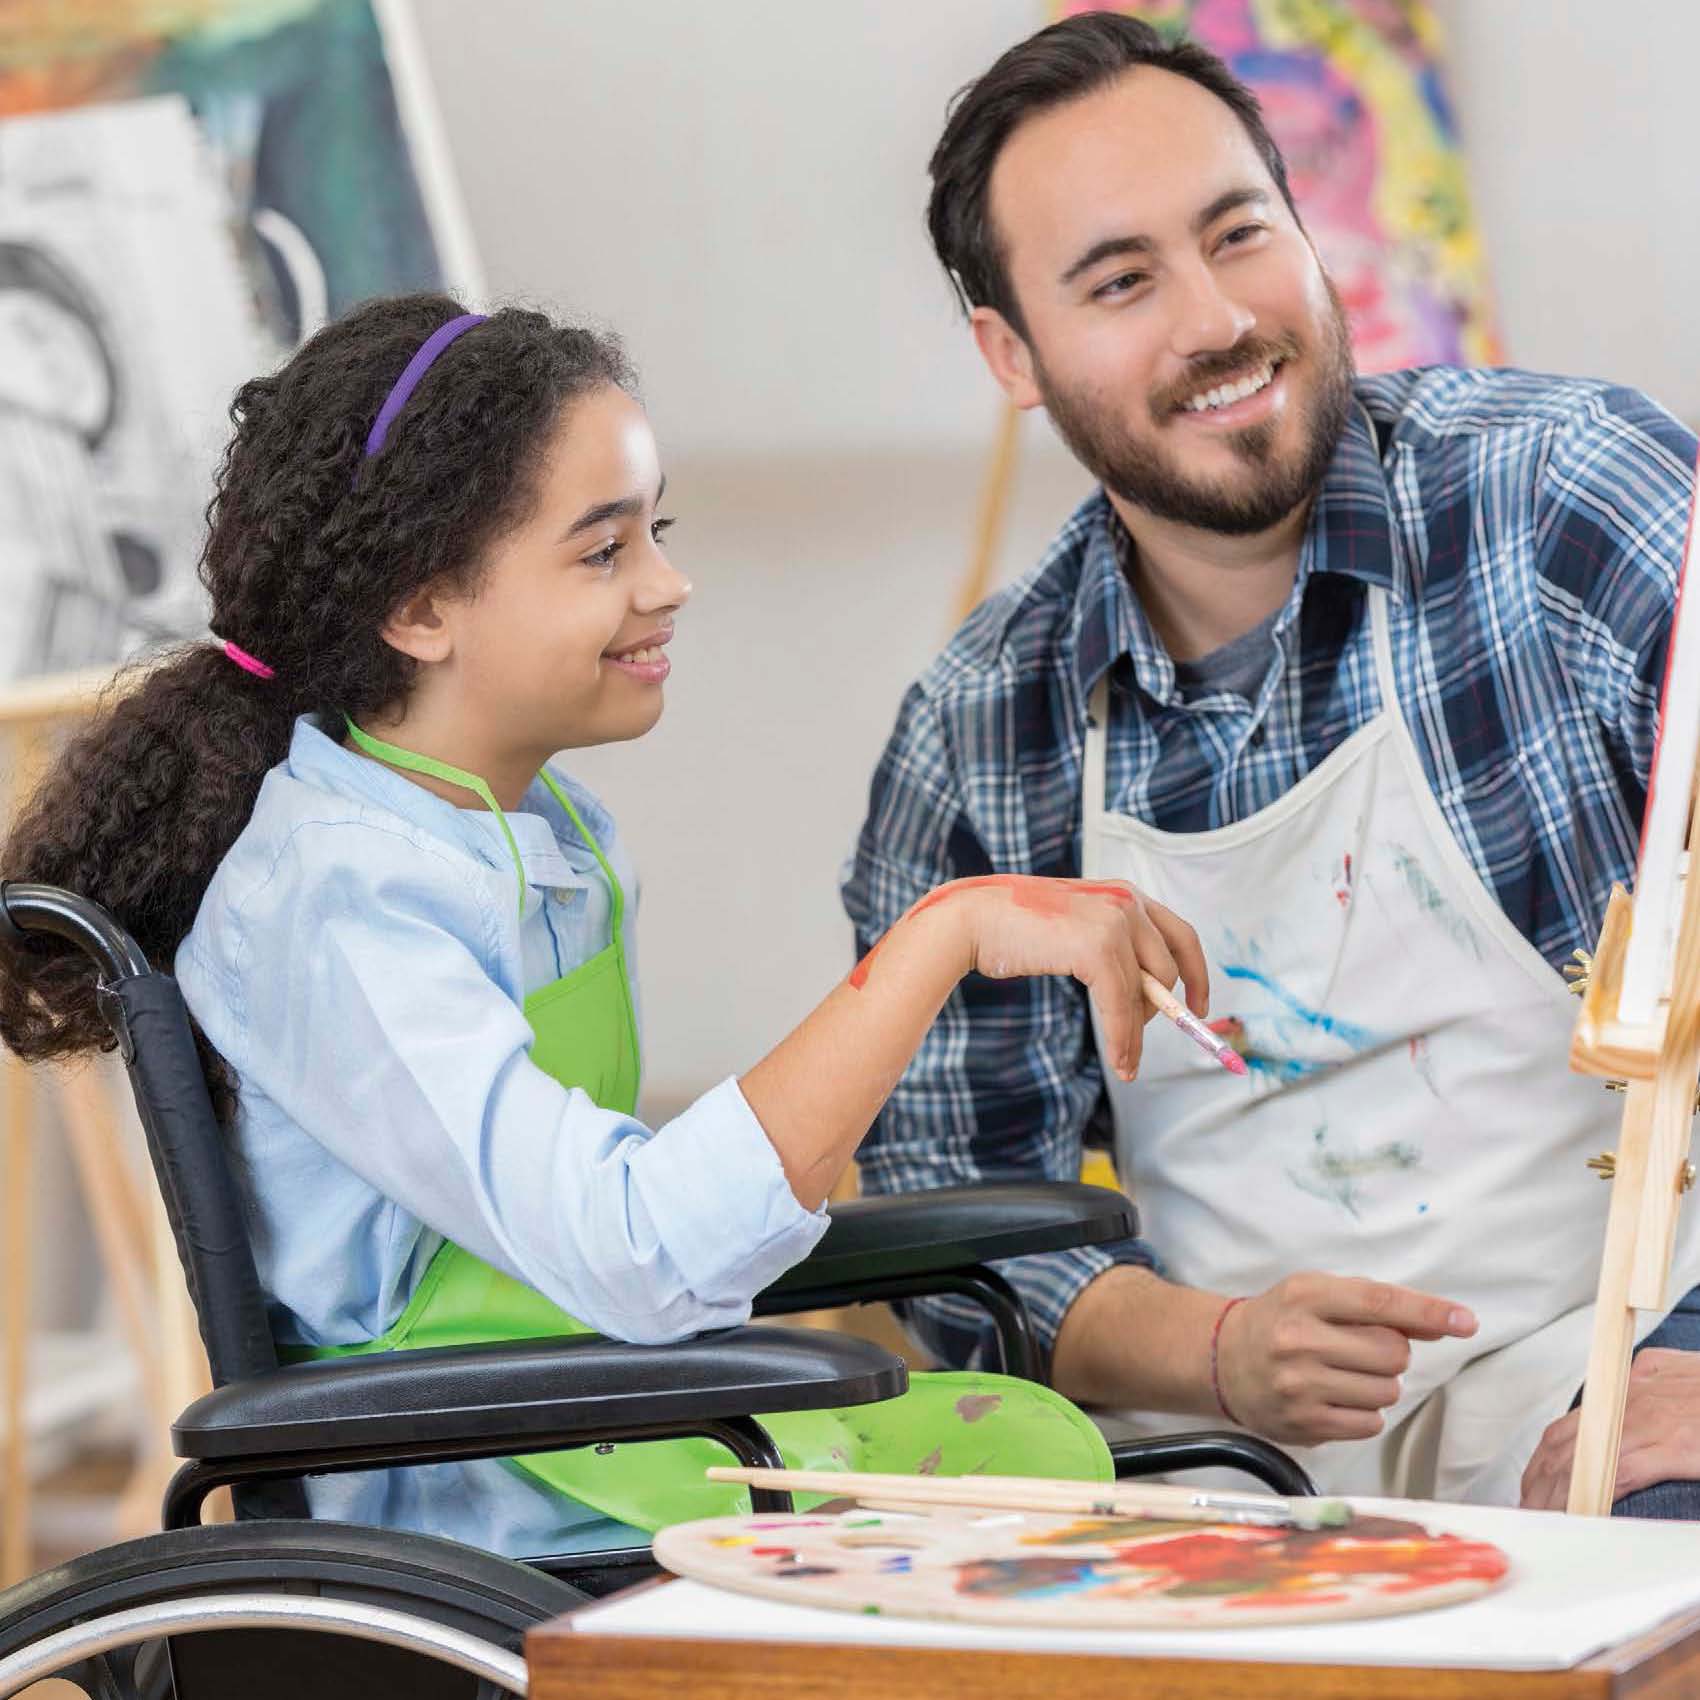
{"x":988,"y":522}
{"x":15,"y":1540}
{"x":27,"y":750}
{"x":1594,"y":1467}
{"x":33,"y":703}
{"x":115,"y":1212}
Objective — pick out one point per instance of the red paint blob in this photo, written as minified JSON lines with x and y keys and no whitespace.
{"x":1048,"y":897}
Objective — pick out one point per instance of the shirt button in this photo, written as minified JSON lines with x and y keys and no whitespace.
{"x":1256,"y":739}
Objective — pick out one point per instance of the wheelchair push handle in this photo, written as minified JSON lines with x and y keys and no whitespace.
{"x":26,"y":909}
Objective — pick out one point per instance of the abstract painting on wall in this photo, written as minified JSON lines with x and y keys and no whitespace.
{"x":1355,"y":97}
{"x":187,"y":189}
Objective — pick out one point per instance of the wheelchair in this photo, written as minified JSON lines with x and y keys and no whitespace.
{"x":277,"y":1604}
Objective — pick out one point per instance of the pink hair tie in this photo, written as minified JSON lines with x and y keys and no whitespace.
{"x":247,"y":662}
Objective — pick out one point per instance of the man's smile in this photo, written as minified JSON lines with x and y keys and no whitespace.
{"x":1248,"y":398}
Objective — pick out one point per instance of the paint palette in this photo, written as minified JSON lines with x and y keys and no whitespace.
{"x":1063,"y":1571}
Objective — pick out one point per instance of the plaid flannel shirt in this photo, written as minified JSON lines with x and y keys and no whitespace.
{"x":1529,"y":531}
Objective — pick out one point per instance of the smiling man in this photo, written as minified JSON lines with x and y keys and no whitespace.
{"x":1361,"y":677}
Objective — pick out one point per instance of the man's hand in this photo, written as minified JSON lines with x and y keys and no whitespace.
{"x":1319,"y":1357}
{"x":1661,"y":1433}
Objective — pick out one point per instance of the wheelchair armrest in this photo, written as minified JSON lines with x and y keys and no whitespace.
{"x":914,"y":1234}
{"x":1214,"y":1449}
{"x":493,"y":1400}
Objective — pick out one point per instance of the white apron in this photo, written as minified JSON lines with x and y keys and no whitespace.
{"x":1409,"y":1114}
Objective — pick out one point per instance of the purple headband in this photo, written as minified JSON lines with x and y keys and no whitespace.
{"x":394,"y":402}
{"x":416,"y":369}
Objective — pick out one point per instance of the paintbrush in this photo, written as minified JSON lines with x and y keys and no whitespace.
{"x":1159,"y":1501}
{"x":1168,"y":1004}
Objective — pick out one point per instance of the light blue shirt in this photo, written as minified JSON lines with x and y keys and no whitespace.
{"x":360,"y":960}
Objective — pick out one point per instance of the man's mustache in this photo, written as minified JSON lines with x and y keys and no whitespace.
{"x":1207,"y":370}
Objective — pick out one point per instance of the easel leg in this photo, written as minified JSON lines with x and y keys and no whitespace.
{"x":15,"y":1542}
{"x":1661,"y":1197}
{"x":1594,"y":1470}
{"x":988,"y":521}
{"x":119,"y":1214}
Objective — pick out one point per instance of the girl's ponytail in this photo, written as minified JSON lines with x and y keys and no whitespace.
{"x":137,"y":812}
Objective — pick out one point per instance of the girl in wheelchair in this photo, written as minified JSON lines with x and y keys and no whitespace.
{"x":435,"y":559}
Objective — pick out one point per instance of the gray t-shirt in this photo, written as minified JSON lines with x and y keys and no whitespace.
{"x":1239,"y":666}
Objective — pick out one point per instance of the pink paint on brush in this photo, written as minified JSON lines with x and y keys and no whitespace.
{"x":1201,"y":1035}
{"x":1197,"y":1031}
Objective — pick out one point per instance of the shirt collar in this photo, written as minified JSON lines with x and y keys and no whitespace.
{"x":318,"y":759}
{"x":1349,"y":533}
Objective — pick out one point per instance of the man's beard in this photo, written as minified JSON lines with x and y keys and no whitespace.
{"x":1142,"y":472}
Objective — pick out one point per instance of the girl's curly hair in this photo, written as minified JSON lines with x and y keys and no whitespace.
{"x":309,"y":549}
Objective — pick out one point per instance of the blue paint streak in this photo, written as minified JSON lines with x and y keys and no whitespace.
{"x":1287,"y":1070}
{"x":1359,"y":1038}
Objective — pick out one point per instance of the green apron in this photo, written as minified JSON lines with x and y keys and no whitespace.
{"x":585,"y":1035}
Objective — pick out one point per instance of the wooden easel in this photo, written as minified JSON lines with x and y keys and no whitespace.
{"x":1659,"y":1061}
{"x":995,"y":491}
{"x":131,"y":1237}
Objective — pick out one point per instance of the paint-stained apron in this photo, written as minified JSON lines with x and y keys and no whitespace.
{"x":1409,"y":1113}
{"x":584,"y":1034}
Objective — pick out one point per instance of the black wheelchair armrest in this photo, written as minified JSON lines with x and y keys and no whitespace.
{"x":910,"y":1244}
{"x":399,"y":1409}
{"x":954,"y":1227}
{"x":1213,"y":1449}
{"x":489,"y":1400}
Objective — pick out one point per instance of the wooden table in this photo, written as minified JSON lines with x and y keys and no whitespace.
{"x":1660,"y":1665}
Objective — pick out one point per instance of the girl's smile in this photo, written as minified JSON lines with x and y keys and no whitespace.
{"x":643,"y":659}
{"x":561,"y":642}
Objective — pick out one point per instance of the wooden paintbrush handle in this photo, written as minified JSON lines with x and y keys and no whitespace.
{"x":1023,"y":1493}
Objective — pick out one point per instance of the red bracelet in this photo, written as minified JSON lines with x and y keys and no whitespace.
{"x":1215,"y":1371}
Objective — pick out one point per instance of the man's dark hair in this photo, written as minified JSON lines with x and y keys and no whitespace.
{"x":1063,"y":62}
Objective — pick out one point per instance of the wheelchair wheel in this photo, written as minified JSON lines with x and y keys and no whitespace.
{"x":274,"y":1609}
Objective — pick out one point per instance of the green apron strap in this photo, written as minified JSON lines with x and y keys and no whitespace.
{"x":398,"y":757}
{"x":619,"y":904}
{"x":602,"y":862}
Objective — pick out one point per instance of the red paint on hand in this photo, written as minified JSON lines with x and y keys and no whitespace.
{"x":1048,"y":897}
{"x":859,"y":974}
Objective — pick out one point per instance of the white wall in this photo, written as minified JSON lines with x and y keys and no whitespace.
{"x":1578,"y":120}
{"x":738,"y":187}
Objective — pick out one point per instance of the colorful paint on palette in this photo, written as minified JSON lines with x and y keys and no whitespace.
{"x":1039,"y":1568}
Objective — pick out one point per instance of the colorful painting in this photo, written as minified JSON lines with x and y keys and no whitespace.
{"x":1355,"y":98}
{"x":187,"y":189}
{"x":1076,"y":1572}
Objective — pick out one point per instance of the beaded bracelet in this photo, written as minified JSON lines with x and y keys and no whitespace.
{"x":1215,"y":1370}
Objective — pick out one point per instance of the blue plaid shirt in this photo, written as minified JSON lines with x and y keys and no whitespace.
{"x":1529,"y":531}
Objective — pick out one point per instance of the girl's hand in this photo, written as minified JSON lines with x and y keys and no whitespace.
{"x":1100,"y":931}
